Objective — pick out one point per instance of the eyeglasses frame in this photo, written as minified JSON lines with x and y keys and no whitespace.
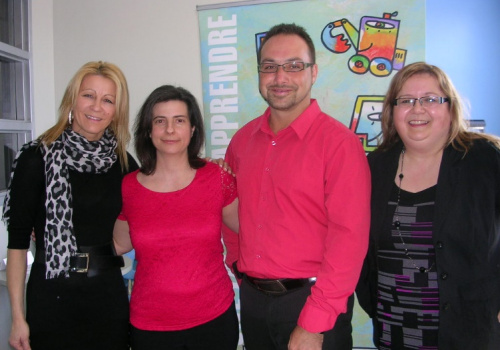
{"x":306,"y":65}
{"x":440,"y":99}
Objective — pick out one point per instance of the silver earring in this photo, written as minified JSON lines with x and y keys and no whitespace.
{"x":70,"y":117}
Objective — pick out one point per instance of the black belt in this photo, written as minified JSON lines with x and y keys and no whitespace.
{"x":274,"y":286}
{"x":278,"y":286}
{"x":91,"y":260}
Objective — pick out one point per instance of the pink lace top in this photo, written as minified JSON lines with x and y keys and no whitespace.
{"x":180,"y":281}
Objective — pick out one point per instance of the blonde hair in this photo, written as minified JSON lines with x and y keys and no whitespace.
{"x":120,"y":123}
{"x":459,"y":137}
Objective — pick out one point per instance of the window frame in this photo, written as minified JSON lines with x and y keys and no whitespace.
{"x":19,"y":54}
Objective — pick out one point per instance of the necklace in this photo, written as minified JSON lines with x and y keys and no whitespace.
{"x":397,"y":223}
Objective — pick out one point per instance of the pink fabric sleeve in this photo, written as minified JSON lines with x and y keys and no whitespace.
{"x":229,"y":191}
{"x":347,"y":199}
{"x":230,"y":238}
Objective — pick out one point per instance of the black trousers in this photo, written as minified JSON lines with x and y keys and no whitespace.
{"x":221,"y":333}
{"x":267,"y":321}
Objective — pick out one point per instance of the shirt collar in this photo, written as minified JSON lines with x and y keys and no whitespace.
{"x":300,"y":125}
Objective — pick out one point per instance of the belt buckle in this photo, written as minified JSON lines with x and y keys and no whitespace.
{"x":273,"y":282}
{"x":80,"y":269}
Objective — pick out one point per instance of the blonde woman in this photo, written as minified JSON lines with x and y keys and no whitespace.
{"x":65,"y":186}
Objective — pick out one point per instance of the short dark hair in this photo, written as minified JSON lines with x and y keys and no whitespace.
{"x":144,"y":147}
{"x":289,"y":29}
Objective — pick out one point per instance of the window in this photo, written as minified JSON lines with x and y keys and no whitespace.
{"x":15,"y":77}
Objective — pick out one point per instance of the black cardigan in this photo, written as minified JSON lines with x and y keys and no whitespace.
{"x":466,"y":238}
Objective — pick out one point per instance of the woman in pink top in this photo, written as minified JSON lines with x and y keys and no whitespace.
{"x":173,"y":209}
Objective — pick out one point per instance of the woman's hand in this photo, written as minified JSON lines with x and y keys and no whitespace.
{"x":20,"y":335}
{"x":16,"y":275}
{"x":498,"y":316}
{"x":220,"y":162}
{"x":121,"y":237}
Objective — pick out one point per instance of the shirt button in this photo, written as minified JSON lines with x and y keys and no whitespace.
{"x":446,"y":306}
{"x":273,"y":143}
{"x":259,"y":227}
{"x":257,"y":256}
{"x":444,"y":276}
{"x":268,"y":170}
{"x":439,"y":245}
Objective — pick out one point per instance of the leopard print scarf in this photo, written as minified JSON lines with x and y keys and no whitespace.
{"x":70,"y":151}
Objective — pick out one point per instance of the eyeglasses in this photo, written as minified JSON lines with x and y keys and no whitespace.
{"x":295,"y":66}
{"x":425,"y":101}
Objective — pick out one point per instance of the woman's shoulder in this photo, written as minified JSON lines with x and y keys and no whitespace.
{"x":484,"y":145}
{"x":30,"y":155}
{"x":32,"y":149}
{"x":209,"y":168}
{"x":131,"y":175}
{"x":482,"y":158}
{"x":130,"y":179}
{"x":480,"y":150}
{"x":214,"y":171}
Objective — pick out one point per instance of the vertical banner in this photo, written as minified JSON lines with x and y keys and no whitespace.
{"x":360,"y":45}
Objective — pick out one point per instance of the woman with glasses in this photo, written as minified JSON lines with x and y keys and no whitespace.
{"x":432,"y":274}
{"x":173,"y":209}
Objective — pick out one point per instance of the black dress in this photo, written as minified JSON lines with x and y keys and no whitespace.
{"x":76,"y":312}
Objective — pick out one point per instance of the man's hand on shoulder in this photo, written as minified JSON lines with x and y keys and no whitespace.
{"x":300,"y":339}
{"x":222,"y":163}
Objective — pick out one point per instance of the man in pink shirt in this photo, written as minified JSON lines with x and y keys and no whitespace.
{"x":304,"y":188}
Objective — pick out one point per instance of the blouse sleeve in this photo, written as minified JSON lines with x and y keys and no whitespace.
{"x":229,"y":190}
{"x":27,"y":190}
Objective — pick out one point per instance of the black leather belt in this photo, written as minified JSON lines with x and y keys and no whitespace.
{"x":91,"y":260}
{"x":273,"y":286}
{"x":278,"y":286}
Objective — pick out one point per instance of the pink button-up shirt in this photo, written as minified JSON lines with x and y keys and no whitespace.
{"x":304,"y":208}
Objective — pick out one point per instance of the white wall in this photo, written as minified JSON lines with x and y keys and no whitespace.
{"x":154,"y":42}
{"x":42,"y":45}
